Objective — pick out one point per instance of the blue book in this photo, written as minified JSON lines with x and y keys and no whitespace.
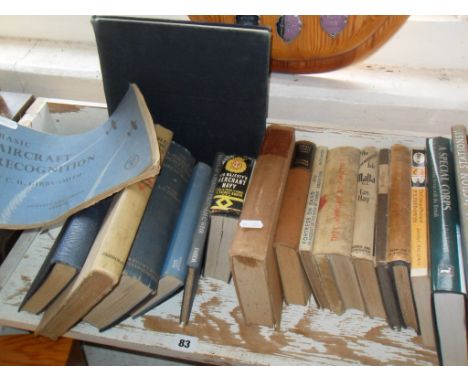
{"x":140,"y":276}
{"x":66,"y":257}
{"x":46,"y":178}
{"x":175,"y":264}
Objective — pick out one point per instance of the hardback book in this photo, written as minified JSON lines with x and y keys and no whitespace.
{"x":56,"y":176}
{"x":226,"y":207}
{"x":218,"y":72}
{"x":334,"y":231}
{"x":309,"y":227}
{"x":449,"y":296}
{"x":106,"y":259}
{"x":387,"y":287}
{"x":420,"y":264}
{"x":66,"y":257}
{"x":296,"y":287}
{"x":362,"y":250}
{"x":399,"y":231}
{"x":174,"y":269}
{"x":460,"y":155}
{"x":140,"y":276}
{"x":254,"y":267}
{"x":197,"y":249}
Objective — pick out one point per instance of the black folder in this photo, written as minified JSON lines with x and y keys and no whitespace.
{"x":207,"y":83}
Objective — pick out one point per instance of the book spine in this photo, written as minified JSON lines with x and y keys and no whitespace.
{"x":78,"y":234}
{"x":175,"y":263}
{"x":420,"y":275}
{"x":387,"y":287}
{"x":195,"y":257}
{"x":254,"y":268}
{"x":399,"y":205}
{"x":419,"y":225}
{"x":291,"y":215}
{"x":334,"y":231}
{"x":380,"y":243}
{"x":118,"y":231}
{"x":309,"y":224}
{"x":288,"y":231}
{"x":152,"y":239}
{"x":399,"y":231}
{"x":315,"y":189}
{"x":231,"y":185}
{"x":460,"y":155}
{"x":366,"y":204}
{"x":443,"y":217}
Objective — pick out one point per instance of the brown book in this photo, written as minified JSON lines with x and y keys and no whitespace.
{"x":399,"y":231}
{"x":253,"y":263}
{"x":288,"y":232}
{"x":103,"y":267}
{"x":387,"y":287}
{"x":334,"y":232}
{"x":362,"y":251}
{"x":309,"y":226}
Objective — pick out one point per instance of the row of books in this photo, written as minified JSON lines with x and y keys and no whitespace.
{"x":129,"y":253}
{"x":358,"y":229}
{"x":337,"y":224}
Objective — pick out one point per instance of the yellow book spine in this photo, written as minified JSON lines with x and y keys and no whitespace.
{"x":419,"y":228}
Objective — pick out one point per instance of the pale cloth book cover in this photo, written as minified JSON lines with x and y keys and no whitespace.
{"x":46,"y":177}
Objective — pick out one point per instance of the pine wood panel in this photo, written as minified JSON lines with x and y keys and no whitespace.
{"x":29,"y":350}
{"x":315,"y":51}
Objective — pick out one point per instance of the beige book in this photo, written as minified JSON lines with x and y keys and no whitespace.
{"x":362,"y":251}
{"x":420,"y":274}
{"x":253,"y":263}
{"x":399,"y":231}
{"x":309,"y":224}
{"x":107,"y":257}
{"x":334,"y":231}
{"x":296,"y":287}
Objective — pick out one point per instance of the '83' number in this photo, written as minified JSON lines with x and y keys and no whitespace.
{"x":184,"y":343}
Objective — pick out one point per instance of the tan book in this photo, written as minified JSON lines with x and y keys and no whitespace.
{"x":253,"y":263}
{"x":399,"y":231}
{"x":309,"y":224}
{"x":420,"y":267}
{"x":103,"y":267}
{"x":296,"y":287}
{"x":362,"y":251}
{"x":334,"y":231}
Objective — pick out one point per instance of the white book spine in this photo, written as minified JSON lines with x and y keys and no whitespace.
{"x":313,"y":200}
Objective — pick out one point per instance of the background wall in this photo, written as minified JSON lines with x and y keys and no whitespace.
{"x":417,"y":81}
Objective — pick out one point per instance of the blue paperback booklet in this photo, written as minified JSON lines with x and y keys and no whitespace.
{"x":45,"y":178}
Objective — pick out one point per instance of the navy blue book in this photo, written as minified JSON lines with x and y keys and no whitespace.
{"x":140,"y":276}
{"x":66,"y":257}
{"x":218,"y":72}
{"x":175,"y":264}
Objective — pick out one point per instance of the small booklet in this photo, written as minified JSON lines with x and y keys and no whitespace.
{"x":45,"y":178}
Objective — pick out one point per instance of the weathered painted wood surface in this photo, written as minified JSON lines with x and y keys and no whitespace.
{"x":217,"y":333}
